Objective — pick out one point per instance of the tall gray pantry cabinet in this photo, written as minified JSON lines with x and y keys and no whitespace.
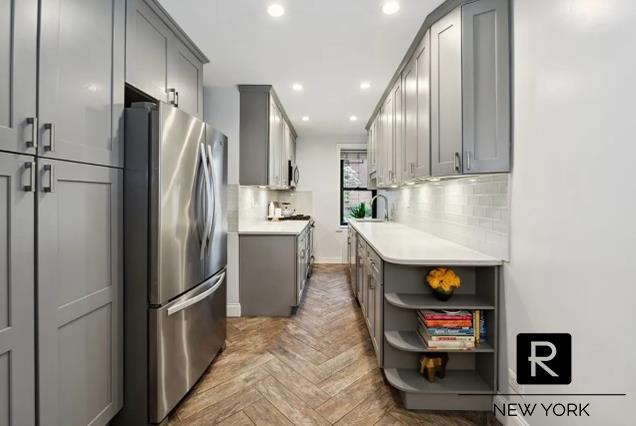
{"x":60,"y":211}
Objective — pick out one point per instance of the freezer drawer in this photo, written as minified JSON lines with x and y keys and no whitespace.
{"x":185,"y":336}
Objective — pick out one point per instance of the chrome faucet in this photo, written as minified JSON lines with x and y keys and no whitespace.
{"x":386,"y":205}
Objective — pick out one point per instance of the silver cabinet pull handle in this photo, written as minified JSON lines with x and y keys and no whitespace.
{"x":196,"y":299}
{"x":50,"y":127}
{"x":48,"y":169}
{"x":33,"y":122}
{"x":457,"y":162}
{"x":467,"y":160}
{"x":29,"y":167}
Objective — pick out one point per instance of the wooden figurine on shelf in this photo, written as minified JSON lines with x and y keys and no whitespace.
{"x":433,"y":364}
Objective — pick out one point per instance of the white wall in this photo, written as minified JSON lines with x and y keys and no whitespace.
{"x":573,"y":213}
{"x":319,"y":164}
{"x":221,"y":110}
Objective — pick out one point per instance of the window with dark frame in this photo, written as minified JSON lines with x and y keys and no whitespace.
{"x":353,"y":185}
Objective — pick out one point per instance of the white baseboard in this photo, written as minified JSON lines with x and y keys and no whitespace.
{"x":233,"y":309}
{"x":508,"y":421}
{"x":329,"y":260}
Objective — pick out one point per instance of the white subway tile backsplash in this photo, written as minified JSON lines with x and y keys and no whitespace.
{"x":471,"y":211}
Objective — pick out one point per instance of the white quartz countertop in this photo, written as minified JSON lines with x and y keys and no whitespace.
{"x":283,"y":227}
{"x":400,"y":244}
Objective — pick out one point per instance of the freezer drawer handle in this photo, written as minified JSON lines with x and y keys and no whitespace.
{"x":196,"y":299}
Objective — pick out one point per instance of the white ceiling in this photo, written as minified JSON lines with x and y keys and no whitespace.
{"x":329,"y":46}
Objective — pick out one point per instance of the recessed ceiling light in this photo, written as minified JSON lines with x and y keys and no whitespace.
{"x":353,"y":118}
{"x":305,"y":118}
{"x":297,"y":87}
{"x":390,"y":7}
{"x":276,"y":10}
{"x":365,"y":85}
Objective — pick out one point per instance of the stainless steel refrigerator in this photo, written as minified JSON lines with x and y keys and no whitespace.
{"x":175,"y":227}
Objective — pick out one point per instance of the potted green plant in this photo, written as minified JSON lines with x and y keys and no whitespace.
{"x":359,"y":211}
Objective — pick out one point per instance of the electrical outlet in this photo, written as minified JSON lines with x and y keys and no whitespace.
{"x":512,"y":383}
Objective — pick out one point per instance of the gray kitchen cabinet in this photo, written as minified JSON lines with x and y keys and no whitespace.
{"x":301,"y":266}
{"x":374,"y":301}
{"x":18,"y":43}
{"x":360,"y":269}
{"x":161,"y":61}
{"x":456,"y":93}
{"x":17,"y":315}
{"x":264,"y":150}
{"x":386,"y":149}
{"x":185,"y":77}
{"x":446,"y":95}
{"x":80,"y":278}
{"x":416,"y":142}
{"x":422,"y":167}
{"x":371,"y":139}
{"x":273,"y":275}
{"x":486,"y":87}
{"x":81,"y":80}
{"x":275,"y":145}
{"x":147,"y":45}
{"x":396,"y":155}
{"x":409,"y":82}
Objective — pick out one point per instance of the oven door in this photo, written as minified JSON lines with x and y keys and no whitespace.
{"x":185,"y":336}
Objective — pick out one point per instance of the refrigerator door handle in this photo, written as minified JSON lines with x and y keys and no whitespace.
{"x":206,"y":177}
{"x":212,"y":211}
{"x":199,"y":297}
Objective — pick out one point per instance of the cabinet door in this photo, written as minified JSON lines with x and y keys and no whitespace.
{"x":275,"y":143}
{"x":18,"y":25}
{"x":370,"y":306}
{"x":387,"y":142}
{"x":486,"y":86}
{"x":81,"y":75}
{"x":148,"y":42}
{"x":379,"y":147}
{"x":285,"y":154}
{"x":423,"y":159}
{"x":446,"y":95}
{"x":185,"y":77}
{"x":409,"y":82}
{"x":378,"y":323}
{"x":79,"y":293}
{"x":371,"y":147}
{"x":398,"y":142}
{"x":17,"y":300}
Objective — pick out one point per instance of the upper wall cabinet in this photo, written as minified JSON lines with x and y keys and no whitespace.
{"x":81,"y":80}
{"x":162,"y":61}
{"x":446,"y":95}
{"x":18,"y":43}
{"x":486,"y":86}
{"x":267,"y":138}
{"x":454,"y":116}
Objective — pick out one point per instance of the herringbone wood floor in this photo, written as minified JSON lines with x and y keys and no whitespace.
{"x":317,"y":367}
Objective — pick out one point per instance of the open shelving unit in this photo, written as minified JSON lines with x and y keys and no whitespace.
{"x":471,"y":374}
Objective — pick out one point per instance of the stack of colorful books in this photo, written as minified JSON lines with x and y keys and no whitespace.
{"x":443,"y":330}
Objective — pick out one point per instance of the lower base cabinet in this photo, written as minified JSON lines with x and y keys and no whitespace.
{"x":80,"y":276}
{"x":269,"y":286}
{"x":17,"y":298}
